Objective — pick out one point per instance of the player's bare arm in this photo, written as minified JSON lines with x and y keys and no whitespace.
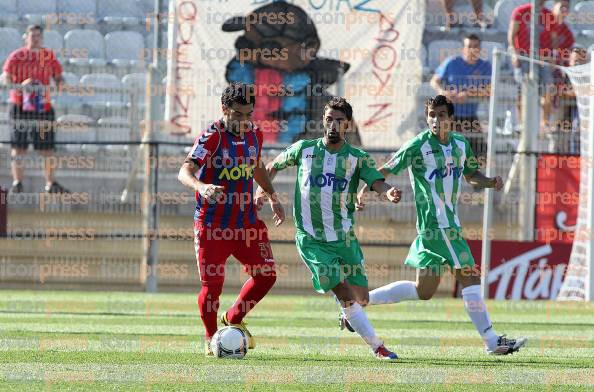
{"x":187,"y":176}
{"x":260,"y":197}
{"x":60,"y":82}
{"x":478,"y":179}
{"x":392,"y":193}
{"x":270,"y":167}
{"x":452,"y":95}
{"x":386,"y":191}
{"x":265,"y":189}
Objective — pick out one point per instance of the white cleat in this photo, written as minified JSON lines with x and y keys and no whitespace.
{"x":507,"y":346}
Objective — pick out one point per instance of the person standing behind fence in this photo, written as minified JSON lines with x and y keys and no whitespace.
{"x":562,"y":137}
{"x":31,"y":114}
{"x":518,"y":37}
{"x":566,"y":139}
{"x":563,"y":35}
{"x":464,"y":80}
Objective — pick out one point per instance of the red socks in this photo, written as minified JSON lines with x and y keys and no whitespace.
{"x":208,"y":304}
{"x":251,"y":293}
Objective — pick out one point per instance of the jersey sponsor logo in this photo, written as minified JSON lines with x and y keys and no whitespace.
{"x":237,"y":172}
{"x":328,"y":179}
{"x":440,"y":173}
{"x":310,"y":155}
{"x":238,"y":143}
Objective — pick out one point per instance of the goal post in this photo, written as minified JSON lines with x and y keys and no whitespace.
{"x":488,"y":203}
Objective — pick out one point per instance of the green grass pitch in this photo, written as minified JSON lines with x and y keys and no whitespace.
{"x":138,"y":342}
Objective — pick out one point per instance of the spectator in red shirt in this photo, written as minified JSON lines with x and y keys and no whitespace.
{"x":519,"y":31}
{"x":565,"y":39}
{"x":518,"y":37}
{"x":31,"y":114}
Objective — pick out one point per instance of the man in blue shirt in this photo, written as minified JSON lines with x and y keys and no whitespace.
{"x":464,"y":80}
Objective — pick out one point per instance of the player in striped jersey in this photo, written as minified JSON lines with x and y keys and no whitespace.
{"x":220,"y":168}
{"x":436,"y":160}
{"x":328,"y":174}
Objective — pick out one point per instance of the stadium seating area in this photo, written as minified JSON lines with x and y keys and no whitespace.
{"x":102,"y":45}
{"x":441,"y":44}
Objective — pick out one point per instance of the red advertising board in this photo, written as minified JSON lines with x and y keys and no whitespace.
{"x":557,"y":187}
{"x":524,"y":270}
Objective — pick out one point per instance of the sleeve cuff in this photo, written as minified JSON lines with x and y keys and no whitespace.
{"x":374,"y":179}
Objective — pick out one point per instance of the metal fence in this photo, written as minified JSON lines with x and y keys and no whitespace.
{"x":93,"y":238}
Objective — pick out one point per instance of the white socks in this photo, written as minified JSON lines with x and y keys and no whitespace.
{"x":407,"y":291}
{"x":476,"y":309}
{"x":360,"y":323}
{"x":395,"y":292}
{"x":339,"y":305}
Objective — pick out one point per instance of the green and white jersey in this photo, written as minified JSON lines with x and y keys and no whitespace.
{"x":326,"y":187}
{"x":435,"y":172}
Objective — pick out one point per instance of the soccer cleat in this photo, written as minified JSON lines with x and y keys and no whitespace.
{"x":17,"y":187}
{"x":383,"y":353}
{"x":507,"y":346}
{"x":242,"y":326}
{"x":54,"y":187}
{"x":344,"y":323}
{"x":207,"y":350}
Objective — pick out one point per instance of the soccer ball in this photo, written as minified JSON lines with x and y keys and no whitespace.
{"x":229,"y":342}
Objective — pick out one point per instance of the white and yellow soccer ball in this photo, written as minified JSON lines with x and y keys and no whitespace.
{"x":229,"y":342}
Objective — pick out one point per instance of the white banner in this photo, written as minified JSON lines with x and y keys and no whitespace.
{"x":298,"y":54}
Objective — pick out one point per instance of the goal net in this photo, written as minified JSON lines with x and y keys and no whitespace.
{"x":579,"y":279}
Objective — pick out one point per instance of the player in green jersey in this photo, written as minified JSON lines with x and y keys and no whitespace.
{"x":328,"y":173}
{"x":436,"y":160}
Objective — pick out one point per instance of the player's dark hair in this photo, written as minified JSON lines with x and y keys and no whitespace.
{"x":32,"y":27}
{"x":439,"y":100}
{"x":473,"y":37}
{"x":341,"y":104}
{"x":240,"y":93}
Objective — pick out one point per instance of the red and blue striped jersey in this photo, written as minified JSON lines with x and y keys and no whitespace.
{"x":227,"y":160}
